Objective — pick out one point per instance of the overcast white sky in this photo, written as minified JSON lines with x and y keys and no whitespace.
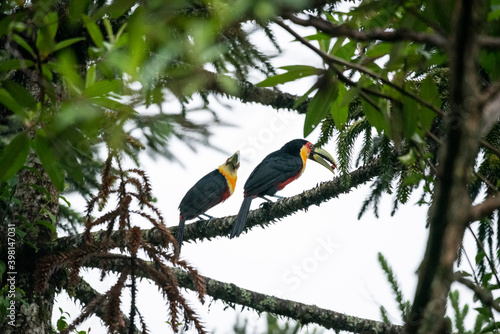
{"x":325,"y":257}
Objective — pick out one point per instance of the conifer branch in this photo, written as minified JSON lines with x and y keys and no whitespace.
{"x":249,"y":93}
{"x":85,"y":294}
{"x":305,"y":314}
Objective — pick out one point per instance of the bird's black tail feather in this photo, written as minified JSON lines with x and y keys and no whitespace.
{"x":241,"y":219}
{"x":180,"y":232}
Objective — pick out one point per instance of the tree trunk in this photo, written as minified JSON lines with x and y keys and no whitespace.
{"x":29,"y":312}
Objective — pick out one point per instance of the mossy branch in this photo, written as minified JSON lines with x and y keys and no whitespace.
{"x":303,"y":313}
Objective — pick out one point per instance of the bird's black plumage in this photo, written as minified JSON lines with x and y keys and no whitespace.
{"x":205,"y":194}
{"x":209,"y":191}
{"x":272,"y":174}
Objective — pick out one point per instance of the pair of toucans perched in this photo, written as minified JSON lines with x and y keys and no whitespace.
{"x":274,"y":172}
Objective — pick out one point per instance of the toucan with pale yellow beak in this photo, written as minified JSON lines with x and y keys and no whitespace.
{"x":276,"y":171}
{"x":210,"y":190}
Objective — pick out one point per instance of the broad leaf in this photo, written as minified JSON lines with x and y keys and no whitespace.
{"x":411,"y":112}
{"x":14,"y":155}
{"x":374,"y":114}
{"x":320,"y":105}
{"x":19,"y":40}
{"x":46,"y":34}
{"x":94,"y":31}
{"x":20,"y":94}
{"x":43,"y":149}
{"x":429,"y":93}
{"x":67,"y":42}
{"x":340,"y":108}
{"x":293,"y":73}
{"x":7,"y":100}
{"x":14,"y":64}
{"x":101,"y":88}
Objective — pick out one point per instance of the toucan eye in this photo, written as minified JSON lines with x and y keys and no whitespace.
{"x":311,"y":146}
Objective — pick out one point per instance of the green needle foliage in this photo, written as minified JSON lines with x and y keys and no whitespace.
{"x":403,"y":305}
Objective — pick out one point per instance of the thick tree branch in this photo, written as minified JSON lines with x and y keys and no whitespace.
{"x":305,"y":314}
{"x":489,"y":42}
{"x":484,"y":208}
{"x":250,"y":93}
{"x":264,"y":216}
{"x":378,"y":34}
{"x":449,"y":213}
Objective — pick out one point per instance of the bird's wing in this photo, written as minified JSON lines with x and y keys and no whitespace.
{"x":272,"y":171}
{"x":206,"y":193}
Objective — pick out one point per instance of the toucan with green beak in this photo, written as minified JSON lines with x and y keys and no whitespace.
{"x":276,"y":171}
{"x":210,"y":190}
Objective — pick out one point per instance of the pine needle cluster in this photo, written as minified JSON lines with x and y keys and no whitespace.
{"x":132,"y":191}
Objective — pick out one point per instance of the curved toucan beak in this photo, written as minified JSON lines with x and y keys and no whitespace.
{"x":234,"y":160}
{"x":324,"y":158}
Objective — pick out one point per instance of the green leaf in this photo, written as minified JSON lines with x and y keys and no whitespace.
{"x":46,"y":34}
{"x":42,"y":147}
{"x":67,"y":42}
{"x":117,"y":8}
{"x":480,"y":256}
{"x":51,"y":21}
{"x":304,"y":97}
{"x":7,"y":100}
{"x":347,"y":50}
{"x":20,"y":94}
{"x":491,"y":328}
{"x":14,"y":64}
{"x":379,"y":50}
{"x":429,"y":93}
{"x":320,"y":105}
{"x":47,"y":224}
{"x":94,"y":31}
{"x":19,"y":40}
{"x":340,"y":108}
{"x":494,"y":14}
{"x":14,"y":155}
{"x":375,"y":116}
{"x":410,"y":116}
{"x":91,"y":76}
{"x":113,"y":105}
{"x":65,"y":200}
{"x":293,"y":73}
{"x":68,"y":68}
{"x":101,"y":88}
{"x":61,"y":324}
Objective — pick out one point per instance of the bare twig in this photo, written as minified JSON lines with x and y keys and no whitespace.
{"x":336,"y":60}
{"x":380,"y":34}
{"x":483,"y":295}
{"x":490,"y":261}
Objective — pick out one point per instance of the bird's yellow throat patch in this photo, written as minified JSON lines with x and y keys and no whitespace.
{"x":230,"y":175}
{"x":303,"y":154}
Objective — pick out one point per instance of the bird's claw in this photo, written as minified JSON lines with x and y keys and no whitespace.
{"x":199,"y":222}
